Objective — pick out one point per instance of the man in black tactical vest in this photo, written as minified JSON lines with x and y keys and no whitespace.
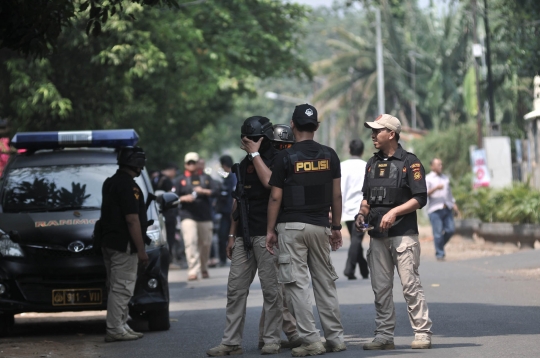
{"x":255,"y":170}
{"x":394,"y":188}
{"x":123,"y":231}
{"x":306,"y":184}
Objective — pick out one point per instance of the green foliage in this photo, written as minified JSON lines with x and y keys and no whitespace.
{"x":451,"y":146}
{"x":517,"y":204}
{"x":33,"y":27}
{"x":168,"y":75}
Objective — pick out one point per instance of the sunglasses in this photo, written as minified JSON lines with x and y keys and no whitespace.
{"x":281,"y":146}
{"x":191,"y":162}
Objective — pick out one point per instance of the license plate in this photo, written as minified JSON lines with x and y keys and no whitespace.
{"x":77,"y":297}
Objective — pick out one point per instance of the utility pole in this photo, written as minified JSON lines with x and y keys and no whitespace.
{"x":380,"y":64}
{"x":488,"y":60}
{"x":478,"y":113}
{"x":413,"y":86}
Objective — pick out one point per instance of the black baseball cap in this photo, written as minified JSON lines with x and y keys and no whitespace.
{"x":305,"y":114}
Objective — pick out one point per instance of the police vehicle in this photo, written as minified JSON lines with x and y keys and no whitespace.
{"x":50,"y":199}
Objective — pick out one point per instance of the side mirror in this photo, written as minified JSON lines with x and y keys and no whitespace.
{"x":168,"y":201}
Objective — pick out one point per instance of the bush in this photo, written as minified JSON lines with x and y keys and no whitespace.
{"x":517,"y":204}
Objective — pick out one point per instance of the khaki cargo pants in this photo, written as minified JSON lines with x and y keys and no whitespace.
{"x":121,"y":270}
{"x":305,"y":250}
{"x":197,"y":240}
{"x":241,"y":276}
{"x":403,"y":252}
{"x":289,"y":322}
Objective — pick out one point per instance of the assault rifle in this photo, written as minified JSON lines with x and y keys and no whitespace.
{"x":242,"y":208}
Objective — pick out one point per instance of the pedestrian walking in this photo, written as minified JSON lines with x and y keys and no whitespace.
{"x":123,"y":227}
{"x":352,"y":180}
{"x":440,"y":207}
{"x":394,"y":188}
{"x":195,"y":190}
{"x":306,"y":184}
{"x":249,"y":256}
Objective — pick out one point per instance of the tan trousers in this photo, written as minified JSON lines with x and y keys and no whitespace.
{"x":289,"y":322}
{"x":121,"y":270}
{"x":241,"y":276}
{"x":197,"y":239}
{"x":403,"y":252}
{"x":306,"y":247}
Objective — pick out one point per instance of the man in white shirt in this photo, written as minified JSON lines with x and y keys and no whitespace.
{"x":352,"y":179}
{"x":439,"y":207}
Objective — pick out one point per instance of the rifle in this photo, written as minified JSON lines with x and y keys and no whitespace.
{"x":242,"y":208}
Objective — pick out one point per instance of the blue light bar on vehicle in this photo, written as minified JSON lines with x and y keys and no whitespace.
{"x":113,"y":138}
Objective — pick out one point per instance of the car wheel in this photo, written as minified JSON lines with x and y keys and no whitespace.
{"x":7,"y":320}
{"x":159,"y":320}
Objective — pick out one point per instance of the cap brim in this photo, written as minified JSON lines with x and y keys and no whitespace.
{"x":373,"y":125}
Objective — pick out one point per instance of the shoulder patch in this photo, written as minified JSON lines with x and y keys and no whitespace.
{"x":416,"y":165}
{"x":417,"y":175}
{"x":136,"y":192}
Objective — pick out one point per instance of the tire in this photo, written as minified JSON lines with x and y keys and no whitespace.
{"x":159,"y":320}
{"x":7,"y":320}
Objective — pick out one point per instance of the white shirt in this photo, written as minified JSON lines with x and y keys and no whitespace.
{"x":439,"y":198}
{"x":352,"y":180}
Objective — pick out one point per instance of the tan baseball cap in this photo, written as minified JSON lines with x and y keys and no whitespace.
{"x":191,"y":156}
{"x":385,"y":121}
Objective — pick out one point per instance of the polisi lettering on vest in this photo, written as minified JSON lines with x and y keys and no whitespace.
{"x":307,"y":166}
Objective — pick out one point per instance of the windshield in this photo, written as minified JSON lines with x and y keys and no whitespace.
{"x":57,"y":188}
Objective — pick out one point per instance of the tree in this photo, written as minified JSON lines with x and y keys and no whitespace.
{"x":33,"y":27}
{"x":168,"y":74}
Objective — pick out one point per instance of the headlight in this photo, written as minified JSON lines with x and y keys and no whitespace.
{"x":154,"y":233}
{"x":8,"y":248}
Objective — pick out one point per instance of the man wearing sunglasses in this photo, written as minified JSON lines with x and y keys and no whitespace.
{"x":394,"y":188}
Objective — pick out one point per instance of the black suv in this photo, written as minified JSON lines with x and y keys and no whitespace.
{"x":50,"y":199}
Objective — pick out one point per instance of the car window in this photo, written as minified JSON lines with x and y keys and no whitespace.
{"x":61,"y":187}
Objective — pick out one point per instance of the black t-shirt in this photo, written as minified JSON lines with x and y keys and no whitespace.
{"x":201,"y":208}
{"x":257,"y":194}
{"x":415,"y":180}
{"x":121,"y":196}
{"x":282,"y":167}
{"x":163,"y":183}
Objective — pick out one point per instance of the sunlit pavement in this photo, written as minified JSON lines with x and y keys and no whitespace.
{"x":484,"y":307}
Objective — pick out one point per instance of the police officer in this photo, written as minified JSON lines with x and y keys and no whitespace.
{"x":123,"y":229}
{"x":195,"y":190}
{"x":283,"y":139}
{"x":256,"y":170}
{"x":394,"y":188}
{"x":305,"y":185}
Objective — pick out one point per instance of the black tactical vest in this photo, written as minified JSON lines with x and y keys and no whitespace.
{"x":385,"y":184}
{"x":252,"y":185}
{"x":309,"y":181}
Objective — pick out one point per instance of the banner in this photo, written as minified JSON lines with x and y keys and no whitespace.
{"x":481,"y":177}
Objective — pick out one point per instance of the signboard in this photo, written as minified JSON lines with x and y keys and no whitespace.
{"x":481,"y":175}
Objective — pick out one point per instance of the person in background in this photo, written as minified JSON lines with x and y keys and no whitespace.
{"x":352,"y":179}
{"x":195,"y":192}
{"x":224,"y":207}
{"x":440,"y":206}
{"x":164,"y":182}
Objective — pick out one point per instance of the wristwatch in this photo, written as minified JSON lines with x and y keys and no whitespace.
{"x":336,"y":227}
{"x":252,"y":156}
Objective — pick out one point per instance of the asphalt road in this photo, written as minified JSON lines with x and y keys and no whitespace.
{"x":486,"y":307}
